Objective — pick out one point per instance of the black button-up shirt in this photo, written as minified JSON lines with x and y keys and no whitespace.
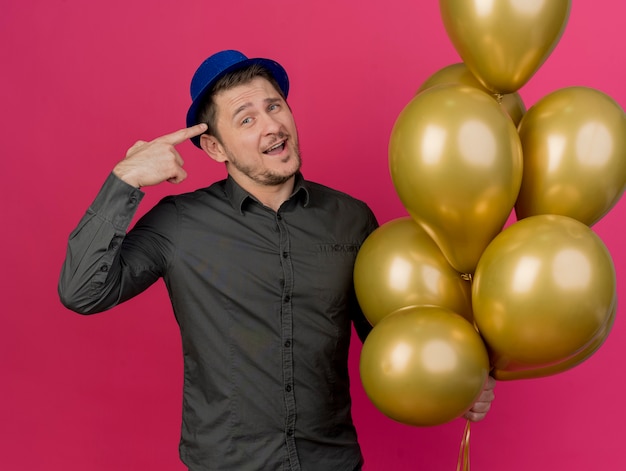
{"x":264,"y":301}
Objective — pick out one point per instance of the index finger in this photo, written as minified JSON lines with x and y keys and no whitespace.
{"x":177,"y":137}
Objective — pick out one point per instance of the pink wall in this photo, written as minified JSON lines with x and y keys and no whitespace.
{"x":81,"y":81}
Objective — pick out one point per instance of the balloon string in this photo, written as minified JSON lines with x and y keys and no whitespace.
{"x":499,"y":98}
{"x":463,"y":463}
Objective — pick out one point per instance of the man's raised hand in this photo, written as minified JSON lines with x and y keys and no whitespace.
{"x":150,"y":163}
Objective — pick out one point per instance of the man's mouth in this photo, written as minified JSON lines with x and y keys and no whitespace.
{"x":276,"y":148}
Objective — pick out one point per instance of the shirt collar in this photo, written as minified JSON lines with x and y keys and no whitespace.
{"x":239,"y":197}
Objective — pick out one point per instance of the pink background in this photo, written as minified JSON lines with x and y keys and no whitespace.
{"x":82,"y":80}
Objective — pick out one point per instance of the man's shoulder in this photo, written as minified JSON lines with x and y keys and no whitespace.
{"x":323,"y":191}
{"x":342,"y":206}
{"x":215,"y":189}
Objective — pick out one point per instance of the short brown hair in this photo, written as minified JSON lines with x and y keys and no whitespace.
{"x":207,"y":109}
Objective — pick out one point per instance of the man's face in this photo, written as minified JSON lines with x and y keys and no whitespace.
{"x":258,"y":134}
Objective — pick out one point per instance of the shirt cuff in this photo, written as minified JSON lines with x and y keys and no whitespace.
{"x":117,"y":202}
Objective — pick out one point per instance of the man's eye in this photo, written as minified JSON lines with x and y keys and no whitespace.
{"x":273,"y":107}
{"x":246,"y":121}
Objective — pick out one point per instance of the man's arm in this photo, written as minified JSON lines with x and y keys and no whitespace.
{"x":89,"y":280}
{"x":102,"y":267}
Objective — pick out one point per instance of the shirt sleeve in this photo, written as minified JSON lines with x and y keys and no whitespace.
{"x":103,"y":266}
{"x":361,"y":324}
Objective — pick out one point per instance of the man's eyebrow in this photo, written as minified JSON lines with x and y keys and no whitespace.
{"x":248,"y":104}
{"x":241,"y":108}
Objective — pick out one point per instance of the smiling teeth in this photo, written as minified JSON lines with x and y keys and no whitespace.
{"x":275,"y":146}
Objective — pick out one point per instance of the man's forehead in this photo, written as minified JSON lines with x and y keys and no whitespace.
{"x":258,"y":90}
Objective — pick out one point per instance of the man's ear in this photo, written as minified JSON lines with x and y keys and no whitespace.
{"x":212,"y":147}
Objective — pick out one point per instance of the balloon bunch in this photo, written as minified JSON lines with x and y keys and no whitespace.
{"x":452,"y":294}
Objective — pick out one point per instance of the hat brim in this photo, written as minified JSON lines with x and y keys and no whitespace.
{"x":277,"y":71}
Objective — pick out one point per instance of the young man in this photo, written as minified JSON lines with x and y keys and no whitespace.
{"x":259,"y":272}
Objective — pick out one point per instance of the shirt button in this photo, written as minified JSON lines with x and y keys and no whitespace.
{"x":285,"y":254}
{"x":287,"y":298}
{"x":104,"y":268}
{"x":289,"y":432}
{"x":288,"y":388}
{"x":279,"y":217}
{"x":133,"y":199}
{"x":288,"y":343}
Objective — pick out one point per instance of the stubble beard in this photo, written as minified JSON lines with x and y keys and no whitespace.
{"x":266,"y":177}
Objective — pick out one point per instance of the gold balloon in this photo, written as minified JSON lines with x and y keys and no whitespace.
{"x":504,"y":42}
{"x":565,"y":365}
{"x":456,"y":163}
{"x":512,"y":103}
{"x":543,"y":293}
{"x":399,"y":265}
{"x":574,"y":147}
{"x":423,"y":365}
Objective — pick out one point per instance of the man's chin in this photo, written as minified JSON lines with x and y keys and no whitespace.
{"x":278,"y":179}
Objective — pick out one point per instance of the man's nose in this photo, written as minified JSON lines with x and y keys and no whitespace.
{"x":271,"y":125}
